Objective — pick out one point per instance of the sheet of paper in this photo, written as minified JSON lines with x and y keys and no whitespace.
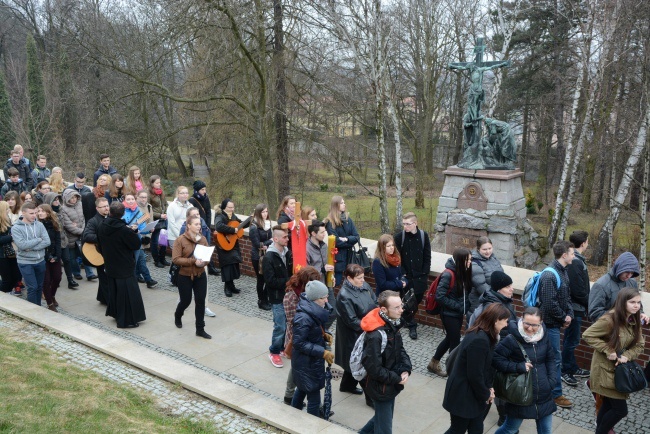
{"x":204,"y":253}
{"x":150,"y":227}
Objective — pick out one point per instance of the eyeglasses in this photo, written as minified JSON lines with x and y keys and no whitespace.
{"x":532,"y":326}
{"x":408,"y":224}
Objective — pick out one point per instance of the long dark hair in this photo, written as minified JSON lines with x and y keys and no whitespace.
{"x":486,"y":321}
{"x":620,"y":318}
{"x":257,"y":215}
{"x":463,"y":272}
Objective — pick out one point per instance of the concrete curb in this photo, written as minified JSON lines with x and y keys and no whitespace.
{"x":224,"y":392}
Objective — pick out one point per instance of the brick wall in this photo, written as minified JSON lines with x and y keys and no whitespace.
{"x":583,"y":352}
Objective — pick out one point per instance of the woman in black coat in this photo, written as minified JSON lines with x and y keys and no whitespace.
{"x":309,"y":342}
{"x":354,"y":301}
{"x":339,"y":223}
{"x":469,"y":391}
{"x":229,"y":260}
{"x":260,"y":236}
{"x":529,"y":331}
{"x":52,"y":278}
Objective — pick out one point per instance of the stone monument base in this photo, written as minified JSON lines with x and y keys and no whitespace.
{"x":474,"y":203}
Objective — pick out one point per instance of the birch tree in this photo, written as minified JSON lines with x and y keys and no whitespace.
{"x":643,"y":213}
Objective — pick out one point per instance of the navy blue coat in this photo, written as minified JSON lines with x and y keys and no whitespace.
{"x":308,"y":345}
{"x":508,"y":358}
{"x":346,"y":230}
{"x":387,"y":278}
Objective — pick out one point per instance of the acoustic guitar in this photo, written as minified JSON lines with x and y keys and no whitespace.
{"x":90,"y":253}
{"x":227,"y":241}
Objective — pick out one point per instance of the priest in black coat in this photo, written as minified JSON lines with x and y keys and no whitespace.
{"x":90,"y":236}
{"x":118,"y":244}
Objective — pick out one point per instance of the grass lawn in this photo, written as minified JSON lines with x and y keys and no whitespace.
{"x":43,"y":394}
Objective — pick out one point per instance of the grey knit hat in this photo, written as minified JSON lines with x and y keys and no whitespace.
{"x":315,"y":290}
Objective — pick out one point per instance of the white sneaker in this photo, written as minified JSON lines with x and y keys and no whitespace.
{"x":208,"y":312}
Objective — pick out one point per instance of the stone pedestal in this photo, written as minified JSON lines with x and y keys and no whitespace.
{"x":486,"y":202}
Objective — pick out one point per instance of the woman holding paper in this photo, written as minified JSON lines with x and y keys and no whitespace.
{"x":191,"y":276}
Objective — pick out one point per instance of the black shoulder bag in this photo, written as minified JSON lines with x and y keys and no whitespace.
{"x":513,"y":387}
{"x":360,"y":257}
{"x":174,"y":269}
{"x":629,"y":376}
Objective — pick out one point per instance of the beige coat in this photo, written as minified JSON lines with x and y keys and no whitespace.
{"x":602,"y":369}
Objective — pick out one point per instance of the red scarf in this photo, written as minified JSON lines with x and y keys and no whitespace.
{"x":393,"y":260}
{"x":131,"y":207}
{"x":158,"y":191}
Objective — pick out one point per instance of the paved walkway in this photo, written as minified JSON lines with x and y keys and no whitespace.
{"x":238,"y":354}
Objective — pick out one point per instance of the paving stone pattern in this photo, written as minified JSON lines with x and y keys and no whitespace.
{"x":171,"y":399}
{"x":420,"y":351}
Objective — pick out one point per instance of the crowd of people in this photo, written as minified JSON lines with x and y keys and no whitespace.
{"x":46,"y":227}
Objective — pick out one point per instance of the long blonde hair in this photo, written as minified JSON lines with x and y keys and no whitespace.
{"x":56,"y":182}
{"x":334,"y":215}
{"x":5,"y":222}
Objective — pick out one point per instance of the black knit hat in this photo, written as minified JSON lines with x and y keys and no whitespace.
{"x":499,"y":280}
{"x":198,"y":184}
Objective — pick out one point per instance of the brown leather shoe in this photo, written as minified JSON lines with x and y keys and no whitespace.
{"x":52,"y":307}
{"x":562,"y":401}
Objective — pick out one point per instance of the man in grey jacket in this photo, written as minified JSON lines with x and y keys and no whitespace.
{"x":31,"y":239}
{"x":317,"y":258}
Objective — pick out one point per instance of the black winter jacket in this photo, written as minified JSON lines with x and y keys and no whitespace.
{"x":5,"y":238}
{"x":258,"y":237}
{"x":416,"y":259}
{"x":554,"y":302}
{"x":453,"y":304}
{"x":227,"y":257}
{"x":579,"y":283}
{"x":307,"y":360}
{"x":276,"y":274}
{"x":346,"y":230}
{"x":204,"y":207}
{"x":53,"y":251}
{"x":490,"y":297}
{"x":468,"y":386}
{"x":509,"y":358}
{"x":384,"y":370}
{"x":118,"y":244}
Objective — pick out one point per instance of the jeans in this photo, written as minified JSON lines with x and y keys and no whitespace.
{"x":461,"y":425}
{"x":511,"y":425}
{"x":382,"y":421}
{"x":571,"y":341}
{"x":554,"y":340}
{"x":198,"y":285}
{"x":33,"y":275}
{"x":141,"y":266}
{"x":610,"y":413}
{"x":313,"y":401}
{"x":279,"y":328}
{"x":74,"y":265}
{"x":452,"y":326}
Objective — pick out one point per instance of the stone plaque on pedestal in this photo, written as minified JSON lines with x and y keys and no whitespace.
{"x":462,"y":237}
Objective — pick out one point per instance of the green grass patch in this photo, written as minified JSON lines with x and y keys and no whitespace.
{"x":43,"y":394}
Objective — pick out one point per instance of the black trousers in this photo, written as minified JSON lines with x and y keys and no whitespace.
{"x":10,"y":273}
{"x":348,"y":382}
{"x":452,"y":326}
{"x":198,"y":286}
{"x":460,"y":425}
{"x":262,"y":294}
{"x":420,"y":287}
{"x":610,"y":413}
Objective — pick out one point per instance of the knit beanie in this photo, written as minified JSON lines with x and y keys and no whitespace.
{"x":198,"y":184}
{"x":499,"y":280}
{"x":315,"y":289}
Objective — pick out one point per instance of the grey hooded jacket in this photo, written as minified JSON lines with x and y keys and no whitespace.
{"x":482,"y":270}
{"x":604,"y":292}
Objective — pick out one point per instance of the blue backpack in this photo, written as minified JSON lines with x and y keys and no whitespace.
{"x":531,"y":290}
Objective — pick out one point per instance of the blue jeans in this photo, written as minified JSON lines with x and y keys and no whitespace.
{"x":313,"y":401}
{"x":511,"y":425}
{"x":279,"y":328}
{"x":571,"y":341}
{"x":33,"y":275}
{"x":141,"y":266}
{"x":554,"y":339}
{"x":382,"y":421}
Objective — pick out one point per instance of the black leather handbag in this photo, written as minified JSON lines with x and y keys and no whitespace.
{"x":629,"y":377}
{"x":513,"y":387}
{"x":360,"y":257}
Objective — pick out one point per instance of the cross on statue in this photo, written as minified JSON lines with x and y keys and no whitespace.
{"x":473,"y":158}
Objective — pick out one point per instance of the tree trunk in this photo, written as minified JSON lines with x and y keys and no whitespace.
{"x":398,"y":162}
{"x":606,"y":232}
{"x":590,"y":170}
{"x":643,"y":207}
{"x":280,"y":118}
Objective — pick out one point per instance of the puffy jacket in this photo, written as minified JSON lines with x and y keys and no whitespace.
{"x":24,"y":172}
{"x":307,"y":360}
{"x":490,"y":297}
{"x":53,"y":251}
{"x":384,"y":370}
{"x":578,"y":283}
{"x":509,"y":358}
{"x":346,"y":230}
{"x":259,"y":237}
{"x":31,"y":241}
{"x":18,"y":187}
{"x":482,"y":269}
{"x":387,"y":278}
{"x":352,"y":304}
{"x":604,"y":292}
{"x":276,"y":272}
{"x":554,"y":302}
{"x":176,"y":213}
{"x":72,"y":217}
{"x":453,"y":304}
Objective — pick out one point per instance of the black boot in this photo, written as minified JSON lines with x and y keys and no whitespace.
{"x":212,"y":270}
{"x":201,"y":333}
{"x":162,"y":251}
{"x":177,"y":320}
{"x":227,"y":289}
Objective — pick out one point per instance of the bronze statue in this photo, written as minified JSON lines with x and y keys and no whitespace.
{"x":479,"y":152}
